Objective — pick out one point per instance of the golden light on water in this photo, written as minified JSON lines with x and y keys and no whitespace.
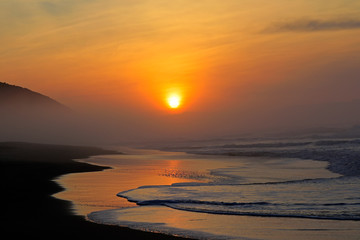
{"x":174,"y":101}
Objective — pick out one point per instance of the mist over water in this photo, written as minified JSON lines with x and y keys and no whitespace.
{"x":48,"y":125}
{"x":30,"y":116}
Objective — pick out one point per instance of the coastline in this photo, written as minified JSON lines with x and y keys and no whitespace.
{"x":197,"y":224}
{"x":27,"y":173}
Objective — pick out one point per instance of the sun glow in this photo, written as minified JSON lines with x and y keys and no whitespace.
{"x":174,"y":101}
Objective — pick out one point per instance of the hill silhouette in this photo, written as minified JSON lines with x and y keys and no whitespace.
{"x":26,"y":115}
{"x":15,"y":97}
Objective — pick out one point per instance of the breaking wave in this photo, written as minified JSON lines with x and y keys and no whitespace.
{"x":321,"y":198}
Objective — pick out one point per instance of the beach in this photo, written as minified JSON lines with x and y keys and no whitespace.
{"x":53,"y":190}
{"x":217,"y":196}
{"x":29,"y":210}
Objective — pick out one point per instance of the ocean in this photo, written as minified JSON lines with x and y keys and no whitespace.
{"x":233,"y":189}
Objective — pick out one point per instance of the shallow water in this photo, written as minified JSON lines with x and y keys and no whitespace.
{"x":217,"y":226}
{"x":180,"y":190}
{"x":95,"y":191}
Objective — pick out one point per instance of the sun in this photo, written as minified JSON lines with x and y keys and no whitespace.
{"x":174,"y":101}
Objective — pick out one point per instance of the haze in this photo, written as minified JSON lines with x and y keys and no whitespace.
{"x":240,"y":66}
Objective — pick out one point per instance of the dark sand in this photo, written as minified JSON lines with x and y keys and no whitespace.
{"x":28,"y":210}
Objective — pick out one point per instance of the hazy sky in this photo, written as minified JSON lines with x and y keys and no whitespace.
{"x":233,"y":62}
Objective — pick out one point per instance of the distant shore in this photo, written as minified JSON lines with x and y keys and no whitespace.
{"x":27,"y":171}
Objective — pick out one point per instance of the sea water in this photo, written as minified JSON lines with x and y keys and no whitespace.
{"x":261,"y":190}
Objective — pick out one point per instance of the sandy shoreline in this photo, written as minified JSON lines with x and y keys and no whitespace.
{"x":87,"y":191}
{"x":27,"y":171}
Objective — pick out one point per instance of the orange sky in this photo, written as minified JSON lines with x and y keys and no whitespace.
{"x":222,"y":57}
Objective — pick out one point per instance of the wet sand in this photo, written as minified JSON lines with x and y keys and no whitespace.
{"x":29,"y":210}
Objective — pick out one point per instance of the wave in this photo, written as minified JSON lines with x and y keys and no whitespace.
{"x":293,"y":144}
{"x":262,"y":144}
{"x":337,"y":142}
{"x":320,"y":198}
{"x":152,"y":221}
{"x":342,"y":155}
{"x":266,"y":145}
{"x":328,"y":214}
